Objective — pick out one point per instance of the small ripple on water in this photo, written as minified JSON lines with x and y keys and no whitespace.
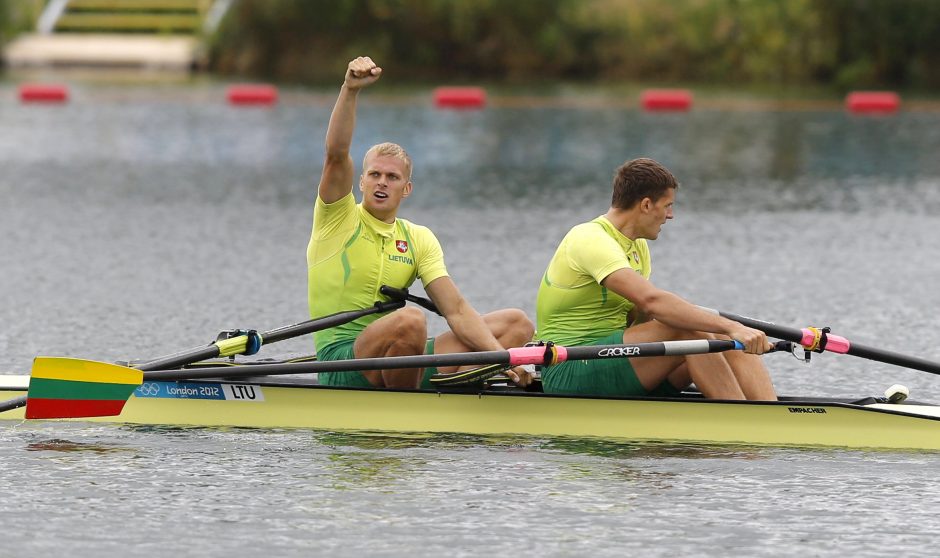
{"x":822,"y":219}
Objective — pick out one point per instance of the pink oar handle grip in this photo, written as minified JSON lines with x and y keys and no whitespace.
{"x":535,"y":355}
{"x":834,"y":343}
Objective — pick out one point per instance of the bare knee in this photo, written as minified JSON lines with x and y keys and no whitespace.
{"x":512,"y":326}
{"x":670,"y":333}
{"x":410,"y":327}
{"x":691,"y":335}
{"x":520,"y":323}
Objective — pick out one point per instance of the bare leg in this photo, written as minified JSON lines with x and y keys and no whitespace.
{"x":401,"y":333}
{"x":510,"y":326}
{"x":750,"y":372}
{"x":710,"y":372}
{"x":752,"y":375}
{"x":681,"y":378}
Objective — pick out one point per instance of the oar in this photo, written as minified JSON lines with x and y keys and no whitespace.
{"x":248,"y":342}
{"x":75,"y":388}
{"x":402,"y":294}
{"x":471,"y":376}
{"x":819,"y":340}
{"x":244,"y":342}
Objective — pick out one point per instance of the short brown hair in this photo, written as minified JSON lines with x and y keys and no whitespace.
{"x":389,"y":149}
{"x":638,"y":179}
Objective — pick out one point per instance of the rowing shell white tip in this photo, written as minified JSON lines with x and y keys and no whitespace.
{"x":897,"y":393}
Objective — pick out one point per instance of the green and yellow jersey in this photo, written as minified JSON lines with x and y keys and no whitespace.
{"x":351,"y":254}
{"x":573,"y":308}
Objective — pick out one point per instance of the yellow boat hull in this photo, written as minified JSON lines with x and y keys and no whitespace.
{"x":784,"y":423}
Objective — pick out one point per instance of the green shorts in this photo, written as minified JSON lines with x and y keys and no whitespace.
{"x":343,"y":350}
{"x":605,"y":377}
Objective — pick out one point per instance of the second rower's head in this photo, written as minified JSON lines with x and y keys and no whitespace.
{"x":647,"y":189}
{"x":385,"y":180}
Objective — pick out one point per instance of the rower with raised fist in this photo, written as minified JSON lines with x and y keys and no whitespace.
{"x":355,"y":249}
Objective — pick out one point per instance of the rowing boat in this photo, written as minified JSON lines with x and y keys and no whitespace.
{"x":194,"y":388}
{"x":299,"y":402}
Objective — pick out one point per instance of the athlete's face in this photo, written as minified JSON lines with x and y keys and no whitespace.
{"x":658,"y":213}
{"x":384,"y":183}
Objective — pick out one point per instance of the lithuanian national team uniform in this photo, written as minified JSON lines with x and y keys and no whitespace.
{"x":573,"y":308}
{"x":350,"y":256}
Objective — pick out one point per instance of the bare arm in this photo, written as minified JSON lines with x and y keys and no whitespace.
{"x":337,"y":178}
{"x":462,"y":318}
{"x":674,"y":311}
{"x":467,"y":324}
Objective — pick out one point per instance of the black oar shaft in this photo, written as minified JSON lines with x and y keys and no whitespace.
{"x":14,"y":403}
{"x":326,"y":322}
{"x":287,"y":332}
{"x":380,"y":363}
{"x":661,"y":348}
{"x":854,"y":349}
{"x":181,"y":359}
{"x":402,"y":294}
{"x":515,"y":357}
{"x":897,"y":359}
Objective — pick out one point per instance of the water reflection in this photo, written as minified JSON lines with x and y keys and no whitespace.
{"x":467,"y":158}
{"x":619,"y":449}
{"x":368,"y":440}
{"x":68,"y":446}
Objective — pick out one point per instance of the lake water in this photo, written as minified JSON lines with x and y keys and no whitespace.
{"x":136,"y":222}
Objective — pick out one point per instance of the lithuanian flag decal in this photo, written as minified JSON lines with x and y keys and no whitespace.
{"x":68,"y":387}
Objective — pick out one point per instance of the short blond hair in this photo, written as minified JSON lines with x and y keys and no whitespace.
{"x":388,"y":149}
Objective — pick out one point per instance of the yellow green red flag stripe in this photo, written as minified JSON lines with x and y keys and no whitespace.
{"x":66,"y":387}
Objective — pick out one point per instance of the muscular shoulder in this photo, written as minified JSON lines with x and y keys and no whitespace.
{"x":591,"y":250}
{"x":328,"y":216}
{"x":587,"y":232}
{"x":590,"y":241}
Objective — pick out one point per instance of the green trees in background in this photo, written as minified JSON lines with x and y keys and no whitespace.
{"x":840,"y":43}
{"x":17,"y":16}
{"x":314,"y":39}
{"x":883,"y":41}
{"x":5,"y":27}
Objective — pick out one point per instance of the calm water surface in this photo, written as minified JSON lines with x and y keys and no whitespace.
{"x":135,"y":223}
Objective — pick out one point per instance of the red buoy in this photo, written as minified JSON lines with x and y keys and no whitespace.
{"x":873,"y":101}
{"x":666,"y":99}
{"x":252,"y":94}
{"x":43,"y":93}
{"x":459,"y":97}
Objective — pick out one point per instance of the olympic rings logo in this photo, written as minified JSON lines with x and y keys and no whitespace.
{"x":149,"y":389}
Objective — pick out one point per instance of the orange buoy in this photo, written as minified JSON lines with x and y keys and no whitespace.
{"x":873,"y":101}
{"x":252,"y":94}
{"x":666,"y":99}
{"x":459,"y":97}
{"x":43,"y":93}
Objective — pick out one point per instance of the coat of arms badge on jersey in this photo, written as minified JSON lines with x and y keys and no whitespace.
{"x":401,"y":245}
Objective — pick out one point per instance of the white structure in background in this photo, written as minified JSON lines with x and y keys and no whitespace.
{"x":56,"y":43}
{"x":50,"y":15}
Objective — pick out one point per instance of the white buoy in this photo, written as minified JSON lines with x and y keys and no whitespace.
{"x":897,"y":393}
